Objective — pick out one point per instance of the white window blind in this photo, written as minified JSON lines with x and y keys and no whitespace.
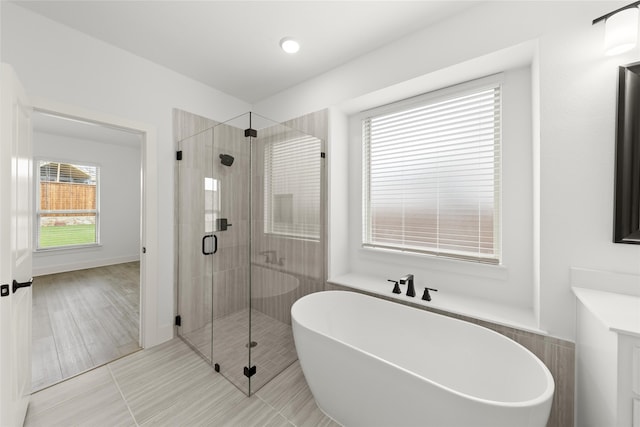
{"x":432,"y":176}
{"x":292,"y":187}
{"x":67,"y":205}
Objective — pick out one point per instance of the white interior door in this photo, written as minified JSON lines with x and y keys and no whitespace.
{"x":15,"y":250}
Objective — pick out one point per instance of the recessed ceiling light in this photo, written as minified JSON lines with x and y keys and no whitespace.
{"x":289,"y":45}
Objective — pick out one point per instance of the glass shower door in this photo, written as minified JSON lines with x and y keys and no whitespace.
{"x":197,"y":201}
{"x":213,"y":248}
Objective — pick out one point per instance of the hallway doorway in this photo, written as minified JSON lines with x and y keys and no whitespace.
{"x":87,"y":232}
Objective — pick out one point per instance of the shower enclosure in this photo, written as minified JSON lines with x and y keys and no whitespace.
{"x":250,"y":243}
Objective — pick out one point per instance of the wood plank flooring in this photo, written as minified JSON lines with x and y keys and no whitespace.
{"x":170,"y":385}
{"x":83,"y":319}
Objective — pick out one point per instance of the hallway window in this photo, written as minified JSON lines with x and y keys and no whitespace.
{"x":432,"y":174}
{"x":67,"y":205}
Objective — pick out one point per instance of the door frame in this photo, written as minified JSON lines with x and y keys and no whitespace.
{"x":149,"y":334}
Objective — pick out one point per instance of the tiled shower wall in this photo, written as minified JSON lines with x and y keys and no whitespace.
{"x":558,"y":355}
{"x":303,"y":265}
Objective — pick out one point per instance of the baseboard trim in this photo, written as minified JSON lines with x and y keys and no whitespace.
{"x":63,"y":268}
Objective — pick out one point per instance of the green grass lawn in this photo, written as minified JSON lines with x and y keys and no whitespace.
{"x":67,"y":235}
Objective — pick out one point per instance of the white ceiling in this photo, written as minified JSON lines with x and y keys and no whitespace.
{"x":233,"y":45}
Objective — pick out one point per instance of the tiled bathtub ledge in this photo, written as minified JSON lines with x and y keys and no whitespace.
{"x":449,"y":304}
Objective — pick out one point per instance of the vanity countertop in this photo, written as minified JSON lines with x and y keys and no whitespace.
{"x":619,"y":312}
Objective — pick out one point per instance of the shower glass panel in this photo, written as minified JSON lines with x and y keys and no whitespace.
{"x":250,"y":243}
{"x":287,"y":256}
{"x":231,"y":273}
{"x":198,"y":201}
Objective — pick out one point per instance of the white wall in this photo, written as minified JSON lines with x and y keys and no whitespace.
{"x":574,"y":93}
{"x":338,"y":193}
{"x":63,"y":65}
{"x":577,"y":137}
{"x":119,"y":195}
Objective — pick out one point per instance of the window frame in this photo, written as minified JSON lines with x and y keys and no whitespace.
{"x":434,"y":97}
{"x":38,"y":211}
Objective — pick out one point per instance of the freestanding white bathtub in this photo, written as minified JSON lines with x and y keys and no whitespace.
{"x":371,"y":362}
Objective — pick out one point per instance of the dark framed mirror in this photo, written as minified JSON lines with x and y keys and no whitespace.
{"x":627,"y":174}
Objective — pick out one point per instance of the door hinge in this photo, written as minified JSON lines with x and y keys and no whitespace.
{"x":179,"y":155}
{"x":178,"y":320}
{"x":250,"y":133}
{"x":4,"y":291}
{"x":249,"y":372}
{"x":323,"y":154}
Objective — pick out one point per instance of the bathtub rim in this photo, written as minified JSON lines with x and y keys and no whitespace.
{"x":256,"y":289}
{"x":546,"y":395}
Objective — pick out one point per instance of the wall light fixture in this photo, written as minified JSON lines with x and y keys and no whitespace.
{"x":620,"y":29}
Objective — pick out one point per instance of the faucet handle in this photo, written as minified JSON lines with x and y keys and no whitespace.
{"x":426,"y":296}
{"x":268,"y":259}
{"x":396,"y":287}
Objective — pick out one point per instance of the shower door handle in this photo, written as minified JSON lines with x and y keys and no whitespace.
{"x":204,"y":244}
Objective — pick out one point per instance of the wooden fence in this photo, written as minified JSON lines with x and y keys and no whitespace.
{"x":58,"y":196}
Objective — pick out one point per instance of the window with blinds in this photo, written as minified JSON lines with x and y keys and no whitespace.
{"x":432,"y":176}
{"x":292,"y":187}
{"x":67,"y":205}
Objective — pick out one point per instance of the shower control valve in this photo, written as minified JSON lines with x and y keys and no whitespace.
{"x":222,"y":224}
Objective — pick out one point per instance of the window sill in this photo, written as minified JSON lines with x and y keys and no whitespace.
{"x":449,"y":265}
{"x":283,"y":236}
{"x":513,"y":317}
{"x":77,"y":248}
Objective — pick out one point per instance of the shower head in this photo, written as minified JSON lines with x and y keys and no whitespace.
{"x":226,"y":159}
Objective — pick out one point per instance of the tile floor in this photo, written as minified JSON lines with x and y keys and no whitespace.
{"x":274,"y":352}
{"x":170,"y":385}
